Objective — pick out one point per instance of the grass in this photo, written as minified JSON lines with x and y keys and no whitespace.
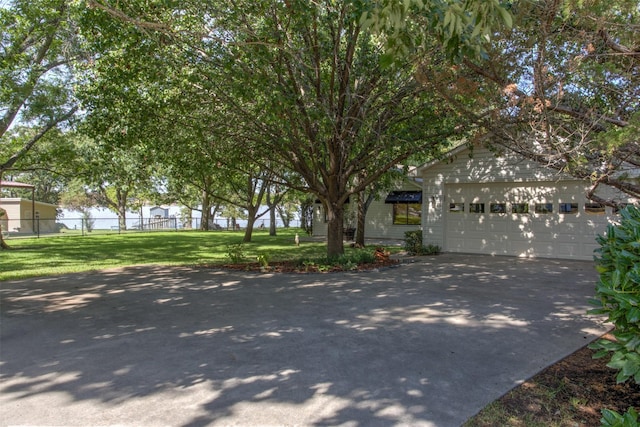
{"x":72,"y":254}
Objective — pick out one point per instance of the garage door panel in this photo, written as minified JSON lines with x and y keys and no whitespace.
{"x":555,"y":234}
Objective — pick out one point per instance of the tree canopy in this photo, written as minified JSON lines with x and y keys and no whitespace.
{"x":304,"y":85}
{"x":322,"y":97}
{"x":561,"y":87}
{"x":38,"y":44}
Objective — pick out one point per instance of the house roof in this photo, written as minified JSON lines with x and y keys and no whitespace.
{"x":456,"y":150}
{"x":14,"y":184}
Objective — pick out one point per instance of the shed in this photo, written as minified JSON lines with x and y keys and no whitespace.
{"x":26,"y":216}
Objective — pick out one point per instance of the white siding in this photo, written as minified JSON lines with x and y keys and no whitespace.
{"x":319,"y":223}
{"x":19,"y":214}
{"x":378,"y":222}
{"x":484,"y":178}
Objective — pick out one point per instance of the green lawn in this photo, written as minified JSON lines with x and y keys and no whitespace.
{"x":56,"y":255}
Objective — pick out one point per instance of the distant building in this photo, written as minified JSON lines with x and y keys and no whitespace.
{"x":22,"y":216}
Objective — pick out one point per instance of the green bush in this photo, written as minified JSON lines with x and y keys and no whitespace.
{"x":235,"y":252}
{"x":613,"y":419}
{"x":618,"y":295}
{"x":263,"y":260}
{"x":414,"y":246}
{"x":347,"y":261}
{"x":350,"y":261}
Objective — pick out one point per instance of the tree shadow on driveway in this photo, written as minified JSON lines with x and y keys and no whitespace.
{"x":429,"y":343}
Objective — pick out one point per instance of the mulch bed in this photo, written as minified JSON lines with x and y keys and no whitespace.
{"x":298,"y":268}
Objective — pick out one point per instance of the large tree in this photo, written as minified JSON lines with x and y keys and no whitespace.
{"x":561,"y":87}
{"x":307,"y":91}
{"x":308,"y":83}
{"x":37,"y":44}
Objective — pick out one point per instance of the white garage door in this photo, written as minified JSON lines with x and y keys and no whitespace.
{"x":528,"y":220}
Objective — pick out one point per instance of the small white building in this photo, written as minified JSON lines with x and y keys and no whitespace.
{"x":24,"y":217}
{"x":473,"y":201}
{"x":477,"y":202}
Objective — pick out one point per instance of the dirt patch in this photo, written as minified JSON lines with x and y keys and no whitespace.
{"x":571,"y":393}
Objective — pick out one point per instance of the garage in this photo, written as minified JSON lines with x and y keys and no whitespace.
{"x":541,"y":219}
{"x":477,"y":202}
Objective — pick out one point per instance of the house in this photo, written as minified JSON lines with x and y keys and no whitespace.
{"x":26,"y":217}
{"x":158,"y":212}
{"x":398,"y":211}
{"x":474,"y":201}
{"x":159,"y":219}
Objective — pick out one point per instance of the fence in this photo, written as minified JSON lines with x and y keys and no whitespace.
{"x":20,"y":227}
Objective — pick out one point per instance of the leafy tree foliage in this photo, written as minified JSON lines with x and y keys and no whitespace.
{"x":561,"y":87}
{"x":39,"y":43}
{"x":461,"y":27}
{"x":301,"y":86}
{"x":46,"y":165}
{"x":307,"y":83}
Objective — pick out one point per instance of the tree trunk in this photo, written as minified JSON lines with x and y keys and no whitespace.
{"x":362,"y":213}
{"x":206,"y":211}
{"x":335,"y":229}
{"x":363,"y":208}
{"x":272,"y":220}
{"x":306,"y":216}
{"x":285,"y":217}
{"x":272,"y":203}
{"x":248,"y":232}
{"x":122,"y":217}
{"x":3,"y":244}
{"x":121,"y":208}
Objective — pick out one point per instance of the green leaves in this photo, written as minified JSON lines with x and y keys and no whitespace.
{"x":618,"y":292}
{"x":613,"y":419}
{"x":463,"y":27}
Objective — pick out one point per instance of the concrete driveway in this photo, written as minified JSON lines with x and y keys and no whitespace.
{"x":423,"y":344}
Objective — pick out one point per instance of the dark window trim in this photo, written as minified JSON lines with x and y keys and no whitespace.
{"x":408,"y":197}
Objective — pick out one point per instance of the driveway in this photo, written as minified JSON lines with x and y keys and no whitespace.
{"x":423,"y":344}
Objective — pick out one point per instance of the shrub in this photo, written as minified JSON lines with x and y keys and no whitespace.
{"x":613,"y":419}
{"x":350,"y":261}
{"x":87,"y":220}
{"x":414,"y":246}
{"x":235,"y":252}
{"x":618,"y":294}
{"x":263,"y":260}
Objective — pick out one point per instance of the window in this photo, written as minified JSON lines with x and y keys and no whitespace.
{"x":544,"y":208}
{"x":456,"y":207}
{"x":476,"y":207}
{"x":498,"y":208}
{"x":594,"y":208}
{"x":568,"y":208}
{"x":406,"y":213}
{"x":520,"y":208}
{"x":407,"y":207}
